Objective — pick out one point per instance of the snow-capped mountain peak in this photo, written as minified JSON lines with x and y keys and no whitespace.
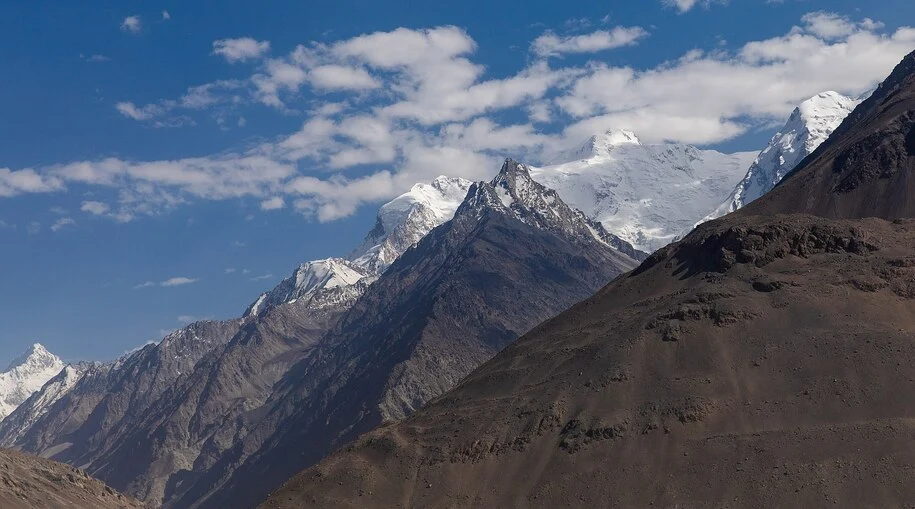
{"x":598,"y":146}
{"x":514,"y":191}
{"x":309,"y":280}
{"x":403,"y":221}
{"x":606,"y":141}
{"x":645,"y":194}
{"x":809,"y":125}
{"x":26,"y":375}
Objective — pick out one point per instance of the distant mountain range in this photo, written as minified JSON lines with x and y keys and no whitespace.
{"x":451,"y":273}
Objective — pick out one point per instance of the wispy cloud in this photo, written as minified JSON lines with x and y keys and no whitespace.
{"x":166,"y":16}
{"x":33,"y":227}
{"x":685,"y":5}
{"x":95,"y":59}
{"x":132,"y":24}
{"x":550,"y":44}
{"x":435,"y":109}
{"x":262,"y":278}
{"x":62,"y":223}
{"x":178,"y":281}
{"x":241,"y":49}
{"x":95,"y":208}
{"x":174,"y":281}
{"x":186,"y":319}
{"x":275,"y":203}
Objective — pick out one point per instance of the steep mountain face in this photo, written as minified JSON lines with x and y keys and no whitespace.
{"x":405,"y":220}
{"x":513,"y":255}
{"x":809,"y":125}
{"x":645,"y":194}
{"x":159,"y":416}
{"x":78,"y":424}
{"x":765,"y":360}
{"x":29,"y":482}
{"x":865,"y":169}
{"x":25,"y":375}
{"x":156,"y":420}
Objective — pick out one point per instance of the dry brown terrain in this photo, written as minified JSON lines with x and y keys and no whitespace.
{"x":762,"y":363}
{"x":29,"y":482}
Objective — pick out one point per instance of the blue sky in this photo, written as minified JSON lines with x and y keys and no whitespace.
{"x":166,"y":161}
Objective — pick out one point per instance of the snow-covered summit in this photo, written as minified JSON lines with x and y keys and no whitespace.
{"x":514,"y":191}
{"x":598,"y":145}
{"x":26,"y":375}
{"x":809,"y":125}
{"x":405,"y":220}
{"x":645,"y":194}
{"x":309,"y":280}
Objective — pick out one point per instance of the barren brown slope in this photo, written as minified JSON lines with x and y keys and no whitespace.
{"x":761,"y":362}
{"x":764,"y":361}
{"x":866,"y":168}
{"x":29,"y":482}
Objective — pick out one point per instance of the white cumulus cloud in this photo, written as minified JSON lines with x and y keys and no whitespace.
{"x":409,"y":105}
{"x":132,"y":24}
{"x":241,"y":49}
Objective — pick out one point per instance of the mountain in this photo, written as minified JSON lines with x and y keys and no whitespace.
{"x":25,"y":375}
{"x":160,"y":417}
{"x":29,"y":482}
{"x":809,"y":125}
{"x":405,"y":220}
{"x":864,"y":169}
{"x":155,"y":417}
{"x":765,"y":360}
{"x":645,"y":194}
{"x":327,"y":282}
{"x":513,"y":255}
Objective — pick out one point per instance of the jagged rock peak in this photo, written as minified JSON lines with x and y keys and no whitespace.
{"x":514,"y":191}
